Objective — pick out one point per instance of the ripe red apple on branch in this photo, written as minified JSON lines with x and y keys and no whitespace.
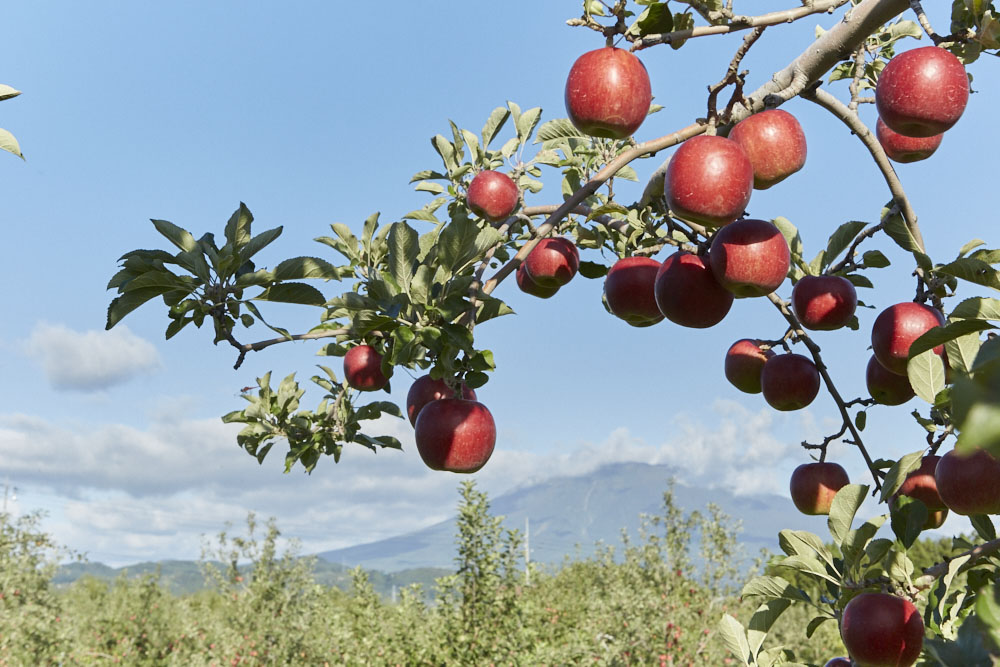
{"x":629,"y":290}
{"x":886,"y":387}
{"x":529,"y":286}
{"x":922,"y":92}
{"x":897,"y":327}
{"x":687,"y":292}
{"x":750,"y":257}
{"x":814,"y":485}
{"x":553,"y":262}
{"x":608,"y":93}
{"x":903,"y":149}
{"x":455,"y":434}
{"x":363,"y":368}
{"x":744,"y":362}
{"x":969,"y":484}
{"x":824,"y":303}
{"x":789,"y":381}
{"x":426,"y":389}
{"x":774,"y":142}
{"x":493,"y":195}
{"x":709,"y":181}
{"x":882,"y":630}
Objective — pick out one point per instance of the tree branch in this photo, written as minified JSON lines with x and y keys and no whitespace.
{"x":741,"y":22}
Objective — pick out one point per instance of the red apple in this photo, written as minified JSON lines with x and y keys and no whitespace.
{"x":493,"y":195}
{"x":363,"y":368}
{"x":824,"y":303}
{"x":882,"y":630}
{"x":901,"y":148}
{"x":921,"y":485}
{"x":744,"y":362}
{"x":813,"y":486}
{"x":709,"y":181}
{"x":922,"y":92}
{"x":629,"y":290}
{"x":774,"y":142}
{"x":886,"y":387}
{"x":426,"y":389}
{"x":789,"y":381}
{"x":529,"y":286}
{"x":455,"y":434}
{"x":897,"y":327}
{"x":608,"y":93}
{"x":553,"y":262}
{"x":687,"y":292}
{"x":969,"y":484}
{"x":750,"y":257}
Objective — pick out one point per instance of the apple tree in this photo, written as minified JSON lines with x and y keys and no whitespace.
{"x":412,"y":294}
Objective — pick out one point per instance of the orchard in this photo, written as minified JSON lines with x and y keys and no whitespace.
{"x":407,"y":298}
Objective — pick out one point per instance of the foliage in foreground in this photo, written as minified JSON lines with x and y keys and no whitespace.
{"x":645,"y":602}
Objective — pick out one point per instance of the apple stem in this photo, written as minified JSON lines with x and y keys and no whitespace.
{"x":814,"y":350}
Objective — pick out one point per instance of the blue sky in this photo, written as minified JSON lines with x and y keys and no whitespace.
{"x":314,"y":113}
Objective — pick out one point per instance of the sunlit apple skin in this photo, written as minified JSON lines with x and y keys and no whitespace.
{"x":608,"y":93}
{"x":529,"y":286}
{"x":363,"y":368}
{"x":897,"y":327}
{"x":813,"y":486}
{"x":750,"y":257}
{"x":886,"y":387}
{"x":882,"y":630}
{"x":492,"y":195}
{"x":553,"y":262}
{"x":455,"y":434}
{"x":426,"y":389}
{"x":709,"y":180}
{"x":903,"y":149}
{"x":789,"y":382}
{"x":629,"y":290}
{"x":921,"y":484}
{"x":969,"y":484}
{"x":688,"y":294}
{"x":744,"y":362}
{"x":774,"y":142}
{"x":824,"y":303}
{"x":922,"y":92}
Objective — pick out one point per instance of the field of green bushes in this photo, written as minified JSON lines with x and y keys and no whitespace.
{"x":654,"y":600}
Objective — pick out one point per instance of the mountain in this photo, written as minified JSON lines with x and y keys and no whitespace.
{"x":567,"y":516}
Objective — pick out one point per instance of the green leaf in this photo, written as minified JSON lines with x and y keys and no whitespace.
{"x":402,"y":257}
{"x":972,"y":270}
{"x":845,"y":506}
{"x":859,"y":280}
{"x":123,"y":305}
{"x":962,"y":352}
{"x":791,"y":234}
{"x":526,"y":123}
{"x":926,"y":374}
{"x":971,"y":245}
{"x":762,"y":620}
{"x":298,"y":268}
{"x":895,"y":227}
{"x":841,"y":239}
{"x":238,"y":227}
{"x":9,"y":143}
{"x":898,"y":472}
{"x":176,"y":235}
{"x":977,"y":307}
{"x":476,"y":379}
{"x":446,"y":150}
{"x":558,"y":128}
{"x":592,"y":269}
{"x":815,"y":623}
{"x":300,"y":293}
{"x":655,"y":19}
{"x":874,"y":259}
{"x":984,"y":526}
{"x":908,"y":518}
{"x":259,"y":242}
{"x":939,"y":335}
{"x":735,"y":638}
{"x":494,"y":124}
{"x":772,"y":587}
{"x":6,"y":92}
{"x":463,"y":241}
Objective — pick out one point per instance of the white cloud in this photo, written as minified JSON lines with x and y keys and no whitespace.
{"x":89,"y":360}
{"x":125,"y":494}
